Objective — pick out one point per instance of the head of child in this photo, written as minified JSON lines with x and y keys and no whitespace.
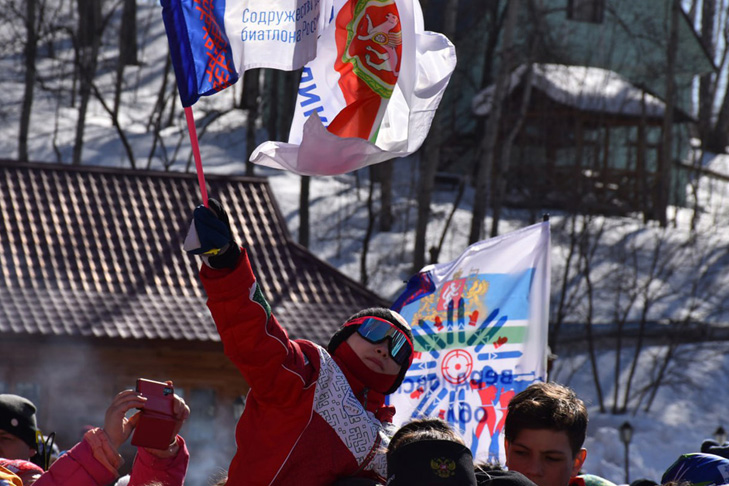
{"x":18,"y":427}
{"x":429,"y":452}
{"x":376,"y":347}
{"x":544,"y":431}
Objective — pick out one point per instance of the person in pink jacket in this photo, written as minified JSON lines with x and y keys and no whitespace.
{"x":95,"y":461}
{"x":313,"y":415}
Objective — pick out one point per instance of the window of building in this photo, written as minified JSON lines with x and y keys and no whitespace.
{"x":586,"y":10}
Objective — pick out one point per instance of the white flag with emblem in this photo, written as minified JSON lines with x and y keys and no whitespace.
{"x":480,"y":330}
{"x":369,"y":95}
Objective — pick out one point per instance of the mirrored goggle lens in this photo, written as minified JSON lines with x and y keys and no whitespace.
{"x":375,"y":331}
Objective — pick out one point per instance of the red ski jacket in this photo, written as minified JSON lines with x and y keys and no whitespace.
{"x":301,"y":424}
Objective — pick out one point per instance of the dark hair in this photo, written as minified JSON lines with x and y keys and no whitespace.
{"x":547,"y":406}
{"x":486,"y":467}
{"x":423,"y":429}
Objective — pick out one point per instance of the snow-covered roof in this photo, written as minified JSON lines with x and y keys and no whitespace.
{"x":718,"y":163}
{"x":585,"y":88}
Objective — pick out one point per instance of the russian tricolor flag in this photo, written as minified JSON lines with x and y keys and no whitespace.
{"x":213,"y":41}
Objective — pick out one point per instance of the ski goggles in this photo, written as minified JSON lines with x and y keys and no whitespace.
{"x":376,"y":330}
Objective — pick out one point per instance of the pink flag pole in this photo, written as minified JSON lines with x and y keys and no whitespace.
{"x":196,"y":153}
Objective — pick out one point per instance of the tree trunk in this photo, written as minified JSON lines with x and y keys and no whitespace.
{"x":435,"y":251}
{"x":127,"y":48}
{"x":504,"y":158}
{"x":640,"y":162}
{"x":663,"y":177}
{"x":304,"y":238}
{"x":430,"y":155}
{"x":487,"y":148}
{"x":128,"y":34}
{"x":564,"y":304}
{"x":719,"y":137}
{"x":364,"y":276}
{"x":31,"y":50}
{"x":288,"y":90}
{"x":586,"y":255}
{"x":384,"y":174}
{"x":155,"y":118}
{"x":271,"y":103}
{"x":706,"y":90}
{"x":89,"y":33}
{"x":427,"y":168}
{"x":249,"y":102}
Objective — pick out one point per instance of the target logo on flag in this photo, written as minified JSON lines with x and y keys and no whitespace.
{"x":457,"y":366}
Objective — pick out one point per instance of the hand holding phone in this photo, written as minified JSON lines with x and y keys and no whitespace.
{"x":157,"y":425}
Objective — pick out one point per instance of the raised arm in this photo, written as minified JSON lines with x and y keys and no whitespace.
{"x":273,"y":365}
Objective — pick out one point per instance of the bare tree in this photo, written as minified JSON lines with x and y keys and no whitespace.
{"x":587,"y":246}
{"x":384,"y":173}
{"x":647,"y":270}
{"x":250,"y":103}
{"x":713,"y":106}
{"x":707,"y":86}
{"x":127,"y":48}
{"x":430,"y":155}
{"x":569,"y":290}
{"x":651,"y":289}
{"x":364,"y":275}
{"x":30,"y":54}
{"x":487,"y":148}
{"x":155,"y":117}
{"x":504,"y":155}
{"x":89,"y":34}
{"x":665,"y":159}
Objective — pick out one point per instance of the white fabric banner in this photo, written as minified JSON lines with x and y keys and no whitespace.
{"x":369,"y":95}
{"x":277,"y":34}
{"x":480,"y":327}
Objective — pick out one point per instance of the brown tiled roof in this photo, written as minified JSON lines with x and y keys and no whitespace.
{"x":96,"y":252}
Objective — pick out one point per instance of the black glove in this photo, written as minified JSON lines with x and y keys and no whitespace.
{"x":210,"y":236}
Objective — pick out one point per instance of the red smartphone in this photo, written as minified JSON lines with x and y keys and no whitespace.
{"x":156,"y":426}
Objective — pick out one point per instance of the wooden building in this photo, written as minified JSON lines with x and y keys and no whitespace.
{"x":626,"y":38}
{"x":588,"y":139}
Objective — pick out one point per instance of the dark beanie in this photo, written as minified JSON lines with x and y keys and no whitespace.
{"x":17,"y":416}
{"x":431,"y":463}
{"x":498,"y":477}
{"x":388,"y":315}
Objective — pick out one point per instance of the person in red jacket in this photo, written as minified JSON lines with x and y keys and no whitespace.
{"x":313,"y":415}
{"x":95,"y":461}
